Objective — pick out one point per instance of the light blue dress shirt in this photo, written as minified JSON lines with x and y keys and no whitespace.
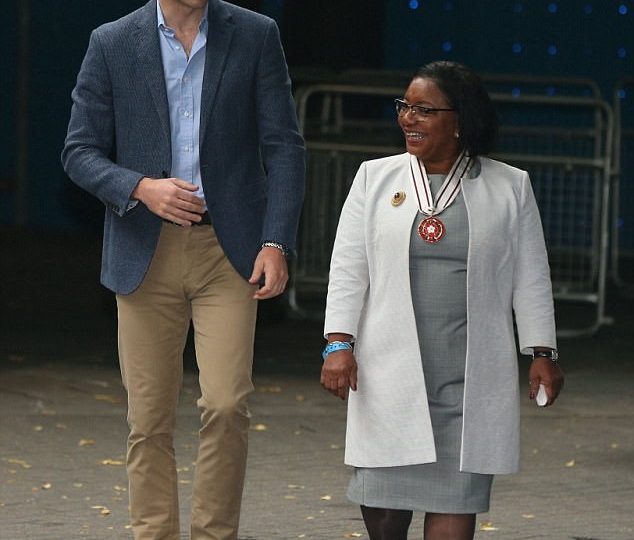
{"x":184,"y":82}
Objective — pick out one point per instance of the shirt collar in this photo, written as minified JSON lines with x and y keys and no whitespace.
{"x":202,"y":27}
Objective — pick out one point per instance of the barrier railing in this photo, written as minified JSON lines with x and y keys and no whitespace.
{"x":564,"y":142}
{"x":622,"y":171}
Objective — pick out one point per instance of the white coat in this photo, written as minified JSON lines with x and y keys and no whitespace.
{"x":369,"y":297}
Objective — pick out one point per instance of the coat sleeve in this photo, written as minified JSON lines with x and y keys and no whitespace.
{"x":532,"y":289}
{"x":349,"y":270}
{"x":90,"y":140}
{"x":281,"y":144}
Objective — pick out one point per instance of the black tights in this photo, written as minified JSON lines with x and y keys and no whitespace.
{"x":386,"y":524}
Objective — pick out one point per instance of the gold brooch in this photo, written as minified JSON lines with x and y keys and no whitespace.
{"x":398,"y":198}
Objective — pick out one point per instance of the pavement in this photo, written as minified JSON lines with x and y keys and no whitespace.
{"x":62,"y":421}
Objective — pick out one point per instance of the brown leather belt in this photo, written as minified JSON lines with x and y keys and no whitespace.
{"x":206,"y":220}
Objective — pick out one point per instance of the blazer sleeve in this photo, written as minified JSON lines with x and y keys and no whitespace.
{"x":349,"y":278}
{"x":281,"y":144}
{"x":90,"y":140}
{"x":532,"y":289}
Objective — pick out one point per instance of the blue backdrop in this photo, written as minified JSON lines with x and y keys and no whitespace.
{"x":586,"y":38}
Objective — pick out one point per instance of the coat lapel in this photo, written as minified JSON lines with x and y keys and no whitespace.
{"x":149,"y":56}
{"x":219,"y":38}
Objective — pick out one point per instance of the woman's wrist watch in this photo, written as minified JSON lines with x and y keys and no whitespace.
{"x":546,"y":353}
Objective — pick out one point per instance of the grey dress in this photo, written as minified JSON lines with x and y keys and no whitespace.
{"x":438,"y":275}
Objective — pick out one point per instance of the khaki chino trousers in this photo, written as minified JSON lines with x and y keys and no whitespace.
{"x":189,"y":280}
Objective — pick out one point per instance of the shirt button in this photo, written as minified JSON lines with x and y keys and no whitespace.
{"x":186,"y":114}
{"x":177,"y":48}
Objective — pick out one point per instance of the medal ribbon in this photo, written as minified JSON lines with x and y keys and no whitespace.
{"x":447,"y":192}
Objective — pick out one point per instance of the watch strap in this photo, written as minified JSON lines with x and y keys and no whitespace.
{"x":552,"y":354}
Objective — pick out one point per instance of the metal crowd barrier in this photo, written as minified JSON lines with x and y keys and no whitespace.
{"x":622,"y":170}
{"x":564,"y":142}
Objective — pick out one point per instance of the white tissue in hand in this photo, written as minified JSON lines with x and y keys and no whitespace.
{"x":541,"y":399}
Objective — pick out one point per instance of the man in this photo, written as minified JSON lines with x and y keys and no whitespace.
{"x":183,"y":125}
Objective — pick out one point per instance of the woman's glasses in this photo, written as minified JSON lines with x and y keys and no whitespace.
{"x":418,"y":111}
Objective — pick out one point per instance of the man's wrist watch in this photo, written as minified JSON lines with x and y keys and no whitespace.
{"x":276,"y":245}
{"x":335,"y":346}
{"x":550,"y":353}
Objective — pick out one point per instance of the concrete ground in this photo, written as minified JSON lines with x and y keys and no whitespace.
{"x":62,"y":421}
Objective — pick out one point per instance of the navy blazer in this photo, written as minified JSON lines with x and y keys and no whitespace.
{"x":251,"y":152}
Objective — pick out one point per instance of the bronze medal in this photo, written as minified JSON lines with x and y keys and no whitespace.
{"x":431,"y":229}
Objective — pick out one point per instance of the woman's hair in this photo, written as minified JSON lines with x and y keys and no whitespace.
{"x":465,"y":92}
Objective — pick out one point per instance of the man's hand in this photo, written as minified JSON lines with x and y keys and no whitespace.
{"x":171,"y":199}
{"x":271,"y":263}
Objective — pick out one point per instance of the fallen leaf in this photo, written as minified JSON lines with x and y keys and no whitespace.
{"x":78,"y":485}
{"x":60,"y":426}
{"x":184,"y":481}
{"x":614,"y":445}
{"x":19,"y":462}
{"x":488,"y":526}
{"x":352,"y":535}
{"x":109,"y":398}
{"x":335,"y":446}
{"x":271,"y":389}
{"x":299,"y":397}
{"x":103,"y":510}
{"x":48,"y":485}
{"x":571,"y":463}
{"x":111,"y":462}
{"x":308,"y":518}
{"x":38,"y":428}
{"x":326,"y":497}
{"x":289,"y":497}
{"x":528,"y":516}
{"x":259,"y":427}
{"x":86,"y":442}
{"x":120,"y":488}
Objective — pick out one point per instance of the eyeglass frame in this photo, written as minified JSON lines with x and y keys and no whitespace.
{"x":419,"y":111}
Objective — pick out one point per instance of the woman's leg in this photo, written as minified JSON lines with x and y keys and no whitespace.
{"x":386,"y":524}
{"x":449,"y":526}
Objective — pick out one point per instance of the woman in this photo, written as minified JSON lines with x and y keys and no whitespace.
{"x":435,"y":251}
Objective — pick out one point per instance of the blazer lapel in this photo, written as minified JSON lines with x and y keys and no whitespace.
{"x":219,"y":38}
{"x":149,"y":56}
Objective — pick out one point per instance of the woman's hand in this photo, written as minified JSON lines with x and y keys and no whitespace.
{"x":339,"y":373}
{"x":545,"y":371}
